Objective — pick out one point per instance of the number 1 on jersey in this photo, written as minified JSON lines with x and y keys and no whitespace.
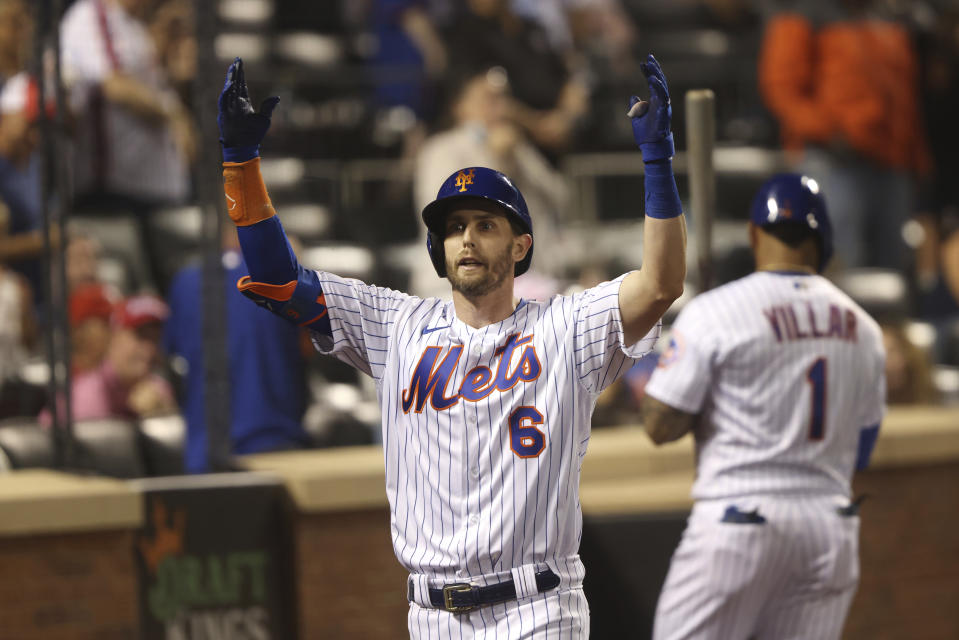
{"x":816,"y":376}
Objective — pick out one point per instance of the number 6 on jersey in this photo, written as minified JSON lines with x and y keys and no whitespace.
{"x":525,"y":439}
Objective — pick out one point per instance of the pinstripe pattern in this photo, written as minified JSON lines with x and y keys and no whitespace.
{"x":469,"y":497}
{"x":753,"y":390}
{"x":751,"y":358}
{"x":792,"y":577}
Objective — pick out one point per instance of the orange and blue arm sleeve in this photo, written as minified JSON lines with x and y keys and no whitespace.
{"x":277,"y":281}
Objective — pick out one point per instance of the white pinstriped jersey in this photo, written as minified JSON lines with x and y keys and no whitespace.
{"x":785,"y":369}
{"x":484,"y":430}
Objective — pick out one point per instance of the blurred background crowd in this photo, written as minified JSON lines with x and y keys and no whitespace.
{"x":380,"y":101}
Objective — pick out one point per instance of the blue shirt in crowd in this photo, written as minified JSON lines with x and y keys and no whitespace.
{"x":267,"y":371}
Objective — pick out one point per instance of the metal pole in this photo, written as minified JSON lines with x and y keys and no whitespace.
{"x":60,"y":200}
{"x":52,"y":194}
{"x":209,"y":185}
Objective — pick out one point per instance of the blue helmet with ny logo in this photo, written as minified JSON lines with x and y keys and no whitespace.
{"x":791,"y":198}
{"x":457,"y":190}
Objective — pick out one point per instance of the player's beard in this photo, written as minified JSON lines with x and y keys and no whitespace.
{"x":475,"y":285}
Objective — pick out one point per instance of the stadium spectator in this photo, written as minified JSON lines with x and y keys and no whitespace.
{"x":20,"y":177}
{"x":173,"y":29}
{"x":855,"y":118}
{"x":124,"y":107}
{"x":937,"y":259}
{"x":549,"y":98}
{"x":90,"y":308}
{"x":126,"y":384}
{"x":407,"y":65}
{"x":17,"y":326}
{"x":406,"y":35}
{"x":82,"y":260}
{"x":268,"y":391}
{"x":16,"y":33}
{"x":908,"y":370}
{"x":481,"y":134}
{"x":600,"y":28}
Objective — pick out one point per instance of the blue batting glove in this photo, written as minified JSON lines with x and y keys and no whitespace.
{"x":241,"y":129}
{"x":651,"y":119}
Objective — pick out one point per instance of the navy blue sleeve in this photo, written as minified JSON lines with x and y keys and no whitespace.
{"x":867,"y":441}
{"x":267,"y":252}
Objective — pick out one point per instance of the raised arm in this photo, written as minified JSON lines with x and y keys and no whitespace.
{"x":276,"y":281}
{"x":645,"y":295}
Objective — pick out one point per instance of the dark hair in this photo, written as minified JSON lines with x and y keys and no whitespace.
{"x":518,"y":229}
{"x":792,"y":234}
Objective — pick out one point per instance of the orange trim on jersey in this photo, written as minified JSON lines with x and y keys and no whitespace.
{"x":456,"y":398}
{"x":412,"y":396}
{"x":522,"y":371}
{"x":247,"y":201}
{"x":278,"y":292}
{"x":413,"y":390}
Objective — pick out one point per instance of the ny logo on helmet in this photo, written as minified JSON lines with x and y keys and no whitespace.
{"x":464,"y":179}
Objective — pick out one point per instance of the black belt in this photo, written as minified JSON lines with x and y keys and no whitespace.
{"x":461,"y":597}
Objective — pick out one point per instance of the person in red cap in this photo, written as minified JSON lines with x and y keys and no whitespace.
{"x":125,"y":385}
{"x":90,"y":309}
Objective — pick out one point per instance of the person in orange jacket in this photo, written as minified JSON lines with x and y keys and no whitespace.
{"x":843,"y":85}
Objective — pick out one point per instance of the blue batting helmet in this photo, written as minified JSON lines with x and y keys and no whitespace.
{"x":474,"y":182}
{"x":791,"y":198}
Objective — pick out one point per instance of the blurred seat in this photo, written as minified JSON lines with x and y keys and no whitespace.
{"x":186,"y":223}
{"x":175,"y":238}
{"x":946,"y":381}
{"x":331,"y":427}
{"x":25,"y":444}
{"x":21,"y":397}
{"x":883,"y":293}
{"x":123,"y":260}
{"x":109,"y":446}
{"x":252,"y":47}
{"x":309,"y":48}
{"x":343,"y":260}
{"x":114,"y":272}
{"x":949,"y":343}
{"x":282,"y":172}
{"x":308,"y":222}
{"x":254,"y":13}
{"x":164,"y":439}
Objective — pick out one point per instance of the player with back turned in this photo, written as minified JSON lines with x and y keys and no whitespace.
{"x":780,"y":378}
{"x":486,"y":399}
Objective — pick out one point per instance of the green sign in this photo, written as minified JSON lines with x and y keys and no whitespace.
{"x":215,"y":561}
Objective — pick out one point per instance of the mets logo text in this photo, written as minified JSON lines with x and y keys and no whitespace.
{"x":430,"y":380}
{"x":464,"y":179}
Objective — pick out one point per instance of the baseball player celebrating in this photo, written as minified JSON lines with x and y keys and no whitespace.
{"x":780,"y":377}
{"x":486,"y":399}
